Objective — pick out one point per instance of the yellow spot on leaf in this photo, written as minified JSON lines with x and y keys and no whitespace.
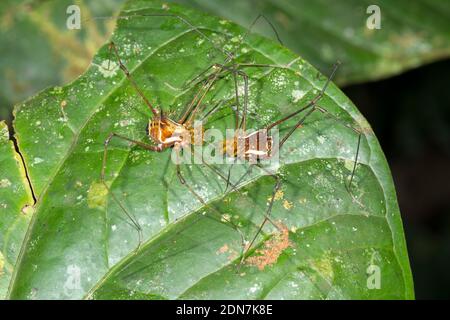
{"x":349,"y":164}
{"x":324,"y":267}
{"x":278,"y":195}
{"x":287,"y":205}
{"x":97,"y":194}
{"x":225,"y":217}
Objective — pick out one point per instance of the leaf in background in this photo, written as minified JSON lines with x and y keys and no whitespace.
{"x":15,"y":207}
{"x":411,"y":34}
{"x":37,"y":50}
{"x":80,"y":243}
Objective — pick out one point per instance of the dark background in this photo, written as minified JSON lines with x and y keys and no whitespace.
{"x":410,"y":115}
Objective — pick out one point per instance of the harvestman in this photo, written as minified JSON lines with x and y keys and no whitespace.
{"x":168,"y":133}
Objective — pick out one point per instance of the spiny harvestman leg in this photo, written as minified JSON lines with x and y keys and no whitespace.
{"x":311,"y":107}
{"x":221,"y":218}
{"x":102,"y":177}
{"x":209,"y":81}
{"x":266,"y":215}
{"x":261,"y":16}
{"x":199,"y":97}
{"x":217,"y":108}
{"x":242,"y":124}
{"x":231,"y":56}
{"x":150,"y":147}
{"x":122,"y":66}
{"x":191,"y":111}
{"x":235,"y":73}
{"x":196,"y":29}
{"x":235,"y":188}
{"x":154,"y":148}
{"x":358,"y":145}
{"x":233,"y":68}
{"x":168,"y":15}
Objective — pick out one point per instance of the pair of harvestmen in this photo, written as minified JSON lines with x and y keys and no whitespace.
{"x":166,"y":133}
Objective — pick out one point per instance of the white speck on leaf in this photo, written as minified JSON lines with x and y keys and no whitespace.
{"x":4,"y":183}
{"x":297,"y":95}
{"x":108,"y":68}
{"x":255,"y":288}
{"x":37,"y":160}
{"x":321,"y":139}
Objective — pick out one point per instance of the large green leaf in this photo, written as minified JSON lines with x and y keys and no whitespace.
{"x":80,"y":243}
{"x":411,"y":34}
{"x":15,"y":207}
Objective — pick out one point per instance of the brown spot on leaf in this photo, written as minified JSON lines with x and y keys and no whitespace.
{"x":223,"y":249}
{"x":272,"y":249}
{"x":232,"y":254}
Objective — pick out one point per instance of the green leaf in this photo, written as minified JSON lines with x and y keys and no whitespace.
{"x":411,"y":34}
{"x":15,"y":207}
{"x":80,"y":243}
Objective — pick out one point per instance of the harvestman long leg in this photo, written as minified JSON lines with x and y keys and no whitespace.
{"x":194,"y":107}
{"x":266,"y":215}
{"x":233,"y":68}
{"x":149,"y":147}
{"x":221,"y":218}
{"x":309,"y":108}
{"x":198,"y":98}
{"x":229,"y":56}
{"x":112,"y":47}
{"x":154,"y":148}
